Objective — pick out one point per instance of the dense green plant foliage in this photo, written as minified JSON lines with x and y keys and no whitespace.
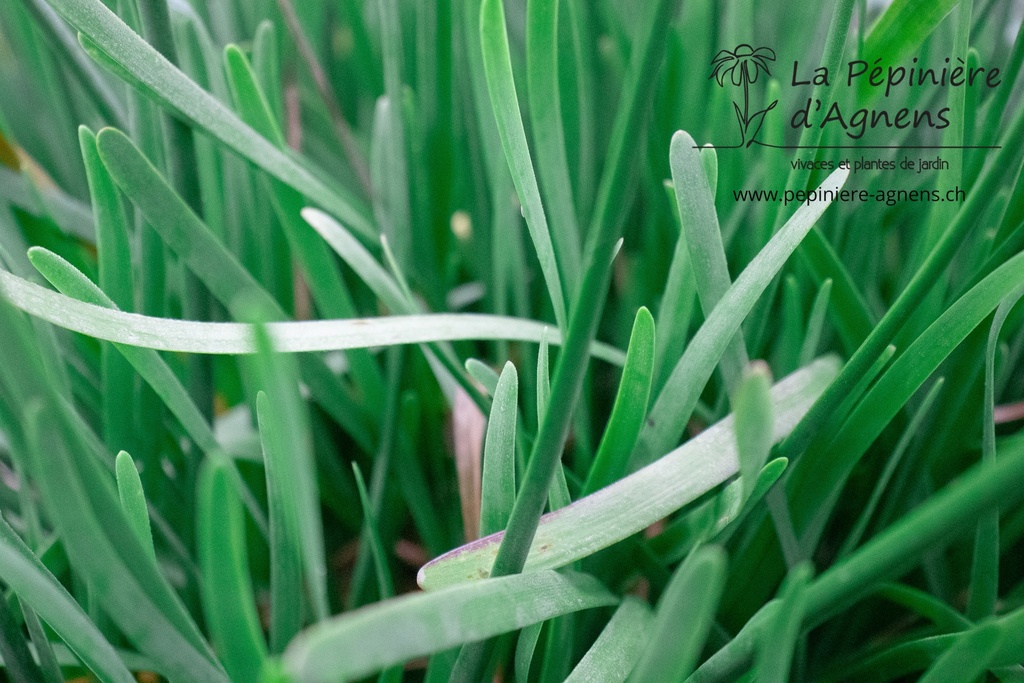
{"x":438,"y":341}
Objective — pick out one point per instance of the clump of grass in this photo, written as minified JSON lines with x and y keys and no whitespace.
{"x":430,"y":341}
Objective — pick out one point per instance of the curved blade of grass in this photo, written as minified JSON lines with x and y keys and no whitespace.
{"x":699,"y":220}
{"x":775,"y":651}
{"x":17,"y":659}
{"x":394,"y":291}
{"x":382,"y":283}
{"x":603,"y":242}
{"x":752,"y":406}
{"x":502,"y":88}
{"x":115,"y":278}
{"x":228,"y":600}
{"x":319,"y":266}
{"x":147,"y":362}
{"x":285,"y":544}
{"x":892,"y":553}
{"x":252,"y":104}
{"x":177,"y":224}
{"x":984,"y":587}
{"x":287,"y":440}
{"x":356,"y":644}
{"x":637,"y":501}
{"x":62,"y":40}
{"x":393,"y":195}
{"x":891,"y":463}
{"x":217,"y":268}
{"x":909,"y":299}
{"x":385,"y":586}
{"x":903,"y":27}
{"x":630,"y":406}
{"x":730,"y":509}
{"x":166,"y":334}
{"x":674,"y":404}
{"x":498,"y":493}
{"x":968,"y":658}
{"x":816,"y":482}
{"x":815,"y":323}
{"x":483,"y":374}
{"x":133,"y":500}
{"x":543,"y":377}
{"x":925,"y":605}
{"x":676,"y":310}
{"x":34,"y":584}
{"x":850,"y":315}
{"x":549,"y":136}
{"x":526,"y":645}
{"x":266,"y":61}
{"x":48,"y":664}
{"x":616,"y":651}
{"x":126,"y":580}
{"x":158,"y":78}
{"x":683,"y":618}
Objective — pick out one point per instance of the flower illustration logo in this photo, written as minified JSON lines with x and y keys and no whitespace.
{"x":742,"y":66}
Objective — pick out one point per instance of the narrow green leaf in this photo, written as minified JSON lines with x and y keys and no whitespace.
{"x":891,"y":463}
{"x":699,"y":220}
{"x":34,"y":584}
{"x":250,"y":100}
{"x":816,"y":480}
{"x":637,"y":501}
{"x":616,"y":651}
{"x":683,"y":618}
{"x":502,"y":89}
{"x":392,"y":192}
{"x":498,"y":493}
{"x":176,"y":223}
{"x":815,"y":323}
{"x":893,"y":552}
{"x":133,"y":500}
{"x":157,"y":78}
{"x":385,"y":589}
{"x":147,"y":362}
{"x":165,"y":334}
{"x":483,"y":374}
{"x":526,"y":645}
{"x":673,"y":405}
{"x":677,"y":308}
{"x":115,"y":278}
{"x":984,"y":588}
{"x":106,"y":551}
{"x":286,"y":436}
{"x":543,"y":376}
{"x":902,"y":28}
{"x":217,"y":268}
{"x":968,"y":658}
{"x":18,"y":663}
{"x":779,"y":640}
{"x":752,"y":406}
{"x":228,"y":600}
{"x":355,"y":645}
{"x":549,"y":137}
{"x":630,"y":406}
{"x":314,"y":257}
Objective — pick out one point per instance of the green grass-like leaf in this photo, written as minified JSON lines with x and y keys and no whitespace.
{"x":355,"y":645}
